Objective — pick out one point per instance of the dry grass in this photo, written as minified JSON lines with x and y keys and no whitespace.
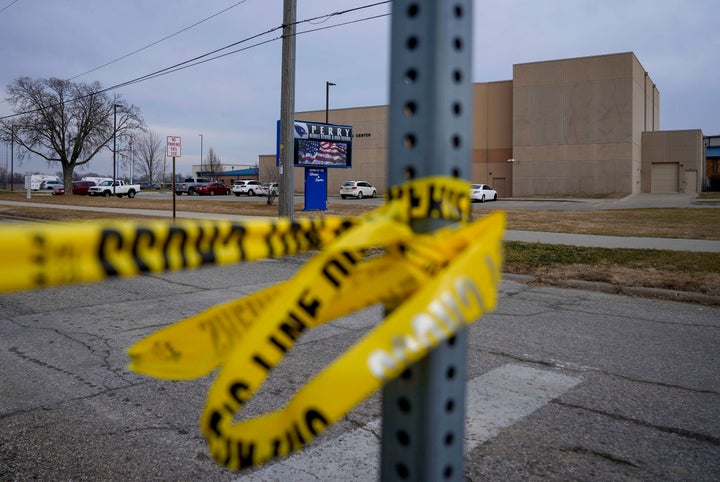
{"x":689,"y":272}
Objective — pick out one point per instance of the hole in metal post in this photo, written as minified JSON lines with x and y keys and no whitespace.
{"x":450,"y":373}
{"x":412,"y":43}
{"x":411,"y":76}
{"x":457,"y":76}
{"x":450,"y":405}
{"x":409,"y":141}
{"x":403,"y":438}
{"x":402,"y":471}
{"x":404,"y":404}
{"x":448,"y":472}
{"x":410,"y":108}
{"x":449,"y":439}
{"x":455,"y":172}
{"x":457,"y":43}
{"x":457,"y":109}
{"x":413,"y":10}
{"x":456,"y":141}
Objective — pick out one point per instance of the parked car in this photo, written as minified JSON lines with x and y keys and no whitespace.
{"x":358,"y":189}
{"x":212,"y":189}
{"x":248,"y":187}
{"x":482,"y":193}
{"x":272,"y":189}
{"x":80,"y":188}
{"x":190,"y":185}
{"x":57,"y":187}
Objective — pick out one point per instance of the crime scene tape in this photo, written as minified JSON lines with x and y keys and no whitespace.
{"x":435,"y":283}
{"x":40,"y":255}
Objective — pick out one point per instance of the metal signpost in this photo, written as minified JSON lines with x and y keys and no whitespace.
{"x":429,"y":134}
{"x":174,"y":149}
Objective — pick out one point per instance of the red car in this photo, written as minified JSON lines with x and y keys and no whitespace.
{"x":212,"y":189}
{"x":81,"y":187}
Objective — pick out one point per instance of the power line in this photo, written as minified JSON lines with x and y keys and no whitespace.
{"x":157,"y":41}
{"x":199,"y":59}
{"x":8,"y":6}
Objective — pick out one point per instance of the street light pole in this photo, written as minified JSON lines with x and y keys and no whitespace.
{"x":12,"y":158}
{"x":201,"y":155}
{"x":114,"y":146}
{"x":327,"y":99}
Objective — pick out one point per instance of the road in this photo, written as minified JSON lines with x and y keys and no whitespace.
{"x":562,"y":385}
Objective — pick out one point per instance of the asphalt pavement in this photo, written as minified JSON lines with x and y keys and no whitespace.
{"x":561,"y":385}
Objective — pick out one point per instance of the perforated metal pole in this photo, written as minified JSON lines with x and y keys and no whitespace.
{"x":429,"y":134}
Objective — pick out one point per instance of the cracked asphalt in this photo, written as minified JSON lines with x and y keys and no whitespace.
{"x":644,"y":407}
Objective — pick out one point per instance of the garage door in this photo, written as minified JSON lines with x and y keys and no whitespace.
{"x":664,"y":177}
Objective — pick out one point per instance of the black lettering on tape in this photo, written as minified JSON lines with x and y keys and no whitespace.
{"x":293,"y":327}
{"x":144,"y":238}
{"x":205,"y":244}
{"x":111,"y":243}
{"x":175,"y":243}
{"x":315,"y":421}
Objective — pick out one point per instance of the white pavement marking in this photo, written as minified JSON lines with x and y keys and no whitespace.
{"x":495,"y":400}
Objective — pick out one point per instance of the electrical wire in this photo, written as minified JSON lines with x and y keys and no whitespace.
{"x":157,"y":41}
{"x":199,"y":59}
{"x":9,"y":5}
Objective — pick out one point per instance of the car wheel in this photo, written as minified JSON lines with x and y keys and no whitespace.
{"x":107,"y":194}
{"x":360,"y":195}
{"x":482,"y":199}
{"x":237,"y":194}
{"x":343,"y":196}
{"x":212,"y":193}
{"x":178,"y":193}
{"x":131,"y":194}
{"x":374,"y":193}
{"x":251,"y":192}
{"x":495,"y":197}
{"x":191,"y":191}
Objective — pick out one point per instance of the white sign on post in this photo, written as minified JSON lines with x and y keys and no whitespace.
{"x":174,"y":146}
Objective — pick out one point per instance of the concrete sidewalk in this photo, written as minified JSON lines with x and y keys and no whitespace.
{"x":670,"y":244}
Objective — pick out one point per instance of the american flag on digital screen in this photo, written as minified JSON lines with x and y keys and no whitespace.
{"x":323,"y":153}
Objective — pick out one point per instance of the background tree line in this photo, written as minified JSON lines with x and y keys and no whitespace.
{"x":69,"y":123}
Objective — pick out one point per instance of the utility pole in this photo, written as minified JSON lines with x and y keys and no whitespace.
{"x":201,"y":156}
{"x":423,"y":410}
{"x":287,"y":111}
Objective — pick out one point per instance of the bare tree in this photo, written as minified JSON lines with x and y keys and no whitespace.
{"x":66,"y":122}
{"x":150,"y":154}
{"x":213,"y":163}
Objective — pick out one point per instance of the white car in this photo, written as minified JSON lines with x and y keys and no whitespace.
{"x":249,"y":188}
{"x":358,"y":189}
{"x":482,"y":193}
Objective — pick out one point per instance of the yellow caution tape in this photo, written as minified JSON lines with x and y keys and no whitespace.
{"x":435,"y":307}
{"x":435,"y":284}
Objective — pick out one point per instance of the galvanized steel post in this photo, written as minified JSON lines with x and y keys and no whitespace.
{"x":429,"y":134}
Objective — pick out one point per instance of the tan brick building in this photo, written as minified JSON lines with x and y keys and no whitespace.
{"x":582,"y":126}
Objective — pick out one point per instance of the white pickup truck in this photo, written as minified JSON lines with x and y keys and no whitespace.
{"x":114,"y":188}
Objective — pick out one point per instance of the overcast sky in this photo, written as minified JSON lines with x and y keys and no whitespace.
{"x":234,"y":101}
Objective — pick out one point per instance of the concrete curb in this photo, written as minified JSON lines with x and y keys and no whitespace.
{"x":636,"y":291}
